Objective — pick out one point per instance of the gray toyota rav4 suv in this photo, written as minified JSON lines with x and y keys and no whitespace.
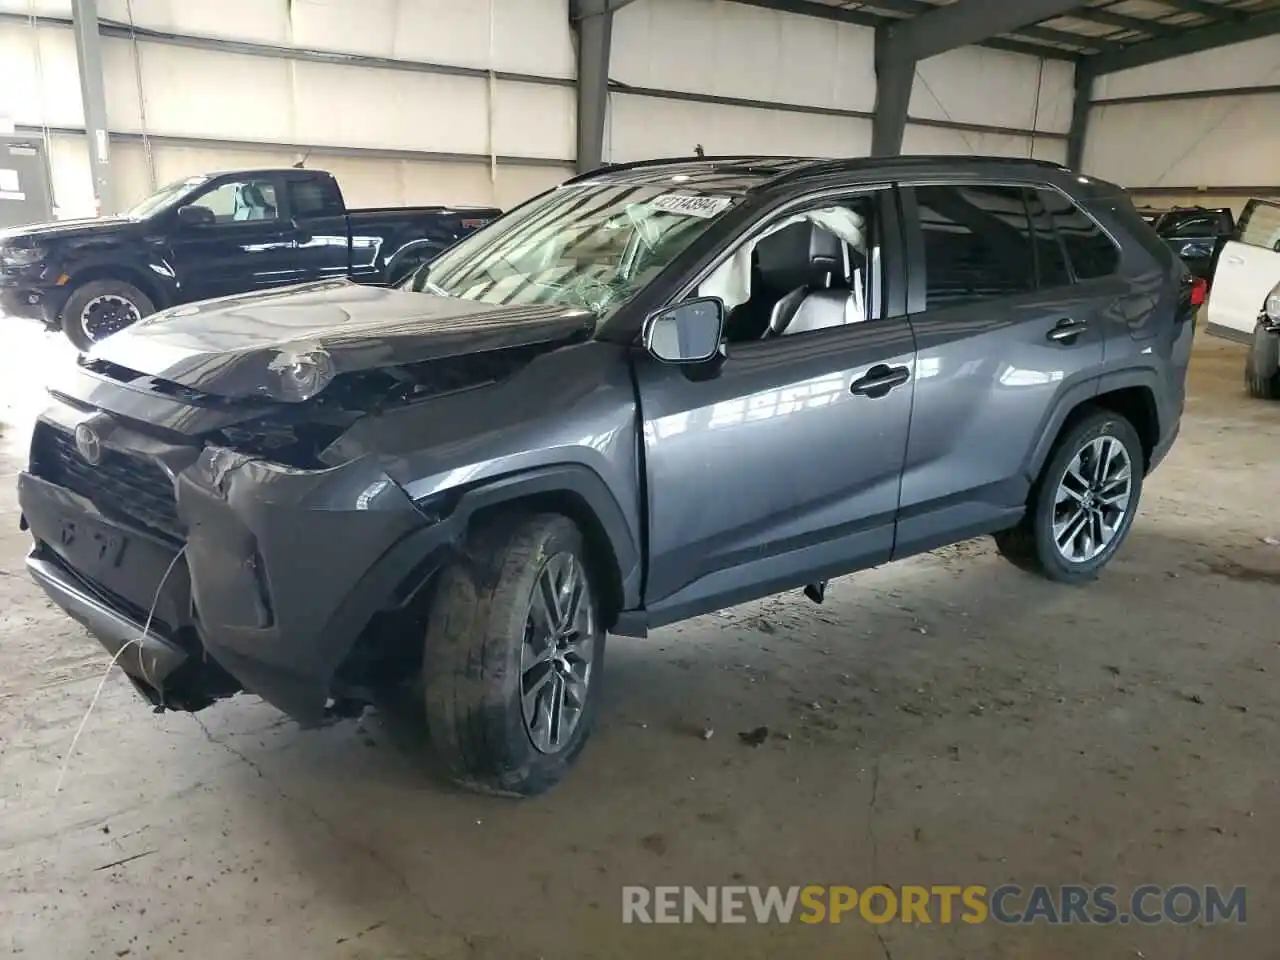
{"x":657,"y":390}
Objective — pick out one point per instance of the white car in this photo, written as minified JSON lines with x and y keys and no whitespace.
{"x":1245,"y":301}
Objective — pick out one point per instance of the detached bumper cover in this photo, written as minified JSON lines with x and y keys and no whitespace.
{"x":281,"y":570}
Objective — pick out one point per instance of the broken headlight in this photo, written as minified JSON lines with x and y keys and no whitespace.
{"x":295,"y":376}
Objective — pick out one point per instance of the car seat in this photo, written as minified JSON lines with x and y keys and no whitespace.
{"x":820,"y":296}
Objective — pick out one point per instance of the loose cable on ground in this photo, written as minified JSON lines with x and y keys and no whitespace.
{"x":146,"y":628}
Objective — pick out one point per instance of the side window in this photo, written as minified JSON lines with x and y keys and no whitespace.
{"x":1092,"y":253}
{"x":804,"y":272}
{"x":977,"y":243}
{"x":1260,"y":225}
{"x":240,"y":200}
{"x":1051,"y":258}
{"x":314,"y":197}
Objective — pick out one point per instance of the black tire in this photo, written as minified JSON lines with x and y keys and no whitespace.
{"x":472,"y":664}
{"x":1031,"y":545}
{"x":1262,"y":368}
{"x":90,"y":294}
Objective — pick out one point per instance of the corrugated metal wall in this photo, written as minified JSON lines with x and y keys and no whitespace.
{"x":471,"y":101}
{"x":456,"y":84}
{"x":1227,"y":141}
{"x":742,"y":79}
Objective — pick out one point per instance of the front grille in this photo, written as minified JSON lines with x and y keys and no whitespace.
{"x":122,"y":486}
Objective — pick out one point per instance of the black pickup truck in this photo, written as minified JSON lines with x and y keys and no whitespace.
{"x":213,"y":235}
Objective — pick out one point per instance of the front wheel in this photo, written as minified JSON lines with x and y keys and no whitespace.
{"x":100,"y":308}
{"x":1262,"y":368}
{"x":1083,"y":504}
{"x":513,"y":656}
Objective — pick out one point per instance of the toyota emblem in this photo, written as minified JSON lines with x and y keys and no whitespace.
{"x":89,"y":444}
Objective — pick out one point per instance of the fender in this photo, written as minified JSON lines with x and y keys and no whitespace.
{"x":580,"y":481}
{"x":1080,"y":393}
{"x":152,"y":275}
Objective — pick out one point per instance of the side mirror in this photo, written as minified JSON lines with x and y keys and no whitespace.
{"x":194,"y":216}
{"x":688,"y":332}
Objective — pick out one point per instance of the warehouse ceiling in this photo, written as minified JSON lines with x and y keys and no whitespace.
{"x":1111,"y":34}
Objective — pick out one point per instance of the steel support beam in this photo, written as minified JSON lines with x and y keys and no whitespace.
{"x":895,"y":75}
{"x":592,"y":22}
{"x":863,"y":18}
{"x":84,"y":23}
{"x":969,"y":21}
{"x":1187,"y":42}
{"x":901,"y":45}
{"x":1080,"y":110}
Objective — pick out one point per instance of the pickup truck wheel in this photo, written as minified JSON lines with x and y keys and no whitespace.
{"x":100,"y":308}
{"x":1262,"y":368}
{"x":1082,"y":505}
{"x":513,"y":656}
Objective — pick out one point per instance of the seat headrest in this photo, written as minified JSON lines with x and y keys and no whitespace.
{"x":800,"y":255}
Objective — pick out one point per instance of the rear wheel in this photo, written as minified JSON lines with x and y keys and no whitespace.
{"x":1083,"y":504}
{"x":1262,"y":368}
{"x":100,"y":308}
{"x":513,"y":655}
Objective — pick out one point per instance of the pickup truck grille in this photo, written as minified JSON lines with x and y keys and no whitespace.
{"x":122,"y":486}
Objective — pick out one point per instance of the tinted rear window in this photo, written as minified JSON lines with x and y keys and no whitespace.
{"x":1092,"y":253}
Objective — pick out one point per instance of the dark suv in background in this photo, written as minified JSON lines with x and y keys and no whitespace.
{"x":657,"y":390}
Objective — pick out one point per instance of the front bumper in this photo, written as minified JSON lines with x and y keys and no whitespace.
{"x":19,"y":298}
{"x":269,"y":579}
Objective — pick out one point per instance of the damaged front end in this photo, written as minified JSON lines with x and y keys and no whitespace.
{"x":217,"y":543}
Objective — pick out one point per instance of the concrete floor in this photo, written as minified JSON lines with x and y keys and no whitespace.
{"x":944,"y":720}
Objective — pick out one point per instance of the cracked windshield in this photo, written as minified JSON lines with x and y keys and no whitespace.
{"x":580,"y":246}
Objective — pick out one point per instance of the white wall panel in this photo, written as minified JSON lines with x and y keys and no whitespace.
{"x":1217,"y":142}
{"x":733,"y":50}
{"x":534,"y":120}
{"x":994,"y":88}
{"x":262,"y":21}
{"x":48,"y":8}
{"x":642,"y":127}
{"x":69,"y":171}
{"x":938,"y":140}
{"x":211,"y":94}
{"x":365,"y":182}
{"x":521,"y":36}
{"x":1252,"y":64}
{"x":39,"y":81}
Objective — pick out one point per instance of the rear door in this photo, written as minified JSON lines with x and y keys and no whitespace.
{"x":1248,"y":268}
{"x":248,"y":246}
{"x":1003,"y":328}
{"x":319,"y":220}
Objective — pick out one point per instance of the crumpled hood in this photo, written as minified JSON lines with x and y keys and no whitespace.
{"x":36,"y":233}
{"x":226,"y":346}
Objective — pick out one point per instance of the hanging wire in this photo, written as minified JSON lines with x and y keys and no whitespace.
{"x":45,"y":137}
{"x":1035,"y":112}
{"x":142,"y":98}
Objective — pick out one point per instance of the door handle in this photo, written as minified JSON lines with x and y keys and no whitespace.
{"x":879,"y":380}
{"x":1235,"y":260}
{"x":1066,"y":331}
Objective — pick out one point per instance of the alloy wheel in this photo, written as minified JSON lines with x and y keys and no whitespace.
{"x":555,"y":659}
{"x":1092,"y":500}
{"x":106,"y":314}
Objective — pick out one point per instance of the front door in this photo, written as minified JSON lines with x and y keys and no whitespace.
{"x":782,"y":467}
{"x":1247,"y":271}
{"x":248,"y":245}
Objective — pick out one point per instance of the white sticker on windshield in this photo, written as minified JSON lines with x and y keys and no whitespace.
{"x":691,"y":205}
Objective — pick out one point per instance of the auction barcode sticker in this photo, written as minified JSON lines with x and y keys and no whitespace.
{"x":692,"y":205}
